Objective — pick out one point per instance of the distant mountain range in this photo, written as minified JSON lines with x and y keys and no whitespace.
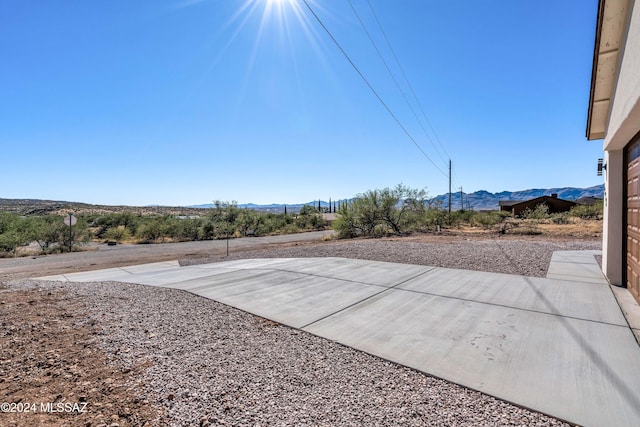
{"x":478,"y":200}
{"x":274,"y":207}
{"x":484,"y":200}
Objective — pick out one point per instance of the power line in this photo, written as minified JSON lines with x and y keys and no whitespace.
{"x":405,"y":77}
{"x":370,"y":86}
{"x":375,"y":46}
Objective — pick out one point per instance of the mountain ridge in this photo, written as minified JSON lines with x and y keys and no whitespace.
{"x":485,"y":200}
{"x":478,"y":200}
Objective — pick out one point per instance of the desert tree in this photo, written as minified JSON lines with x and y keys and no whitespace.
{"x":394,"y":210}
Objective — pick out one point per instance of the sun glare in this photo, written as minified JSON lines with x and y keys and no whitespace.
{"x":284,"y":17}
{"x":283,"y":27}
{"x":278,"y":8}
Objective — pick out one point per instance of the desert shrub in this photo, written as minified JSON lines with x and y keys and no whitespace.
{"x":10,"y":236}
{"x":506,"y":226}
{"x":378,"y":212}
{"x":246,"y":221}
{"x":9,"y":242}
{"x":488,"y":219}
{"x":434,"y":217}
{"x":153,"y":229}
{"x":466,"y":217}
{"x":540,"y":212}
{"x":560,"y":218}
{"x":527,"y":230}
{"x":117,"y":234}
{"x":308,"y":210}
{"x":50,"y":232}
{"x":345,"y":223}
{"x":588,"y":212}
{"x":313,"y":221}
{"x":103,"y":223}
{"x":185,"y":229}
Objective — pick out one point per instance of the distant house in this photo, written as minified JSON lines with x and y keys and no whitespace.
{"x":587,"y":201}
{"x":555,"y":205}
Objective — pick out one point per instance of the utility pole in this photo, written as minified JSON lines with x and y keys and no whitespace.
{"x":461,"y":202}
{"x":70,"y":233}
{"x":449,"y":186}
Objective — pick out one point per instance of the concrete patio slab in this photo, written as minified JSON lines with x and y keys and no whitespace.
{"x":565,"y":298}
{"x":108,"y":274}
{"x":542,"y":361}
{"x":252,"y":264}
{"x":355,"y":270}
{"x":630,"y":308}
{"x":290,"y":299}
{"x":154,"y":267}
{"x":584,"y":256}
{"x":583,"y":273}
{"x":362,"y":271}
{"x":167,"y":276}
{"x":198,"y":278}
{"x":579,"y":266}
{"x":561,"y":347}
{"x":117,"y":273}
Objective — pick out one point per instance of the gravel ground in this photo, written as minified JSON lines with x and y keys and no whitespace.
{"x":526,"y":257}
{"x":214,"y":365}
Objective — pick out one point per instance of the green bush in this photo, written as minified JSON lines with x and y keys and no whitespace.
{"x":435,"y":217}
{"x":313,"y":221}
{"x":540,"y":212}
{"x":10,"y":235}
{"x":488,"y":219}
{"x":308,"y":210}
{"x":345,"y":223}
{"x":588,"y":212}
{"x":187,"y":229}
{"x":48,"y":231}
{"x":117,"y":234}
{"x":128,"y":220}
{"x":395,"y":210}
{"x":153,"y":229}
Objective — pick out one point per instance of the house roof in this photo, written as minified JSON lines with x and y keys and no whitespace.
{"x":587,"y":200}
{"x":610,"y":33}
{"x":541,"y":199}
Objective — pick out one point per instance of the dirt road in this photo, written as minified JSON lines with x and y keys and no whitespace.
{"x":104,"y":256}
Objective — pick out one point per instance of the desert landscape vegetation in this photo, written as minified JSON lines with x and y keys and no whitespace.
{"x":37,"y":227}
{"x":78,"y":345}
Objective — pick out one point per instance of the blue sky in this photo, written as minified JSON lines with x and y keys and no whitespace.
{"x":181,"y":102}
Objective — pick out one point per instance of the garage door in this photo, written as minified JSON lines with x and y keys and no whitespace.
{"x":633,"y":218}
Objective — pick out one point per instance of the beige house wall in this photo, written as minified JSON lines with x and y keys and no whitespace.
{"x":624,"y":124}
{"x":613,"y":230}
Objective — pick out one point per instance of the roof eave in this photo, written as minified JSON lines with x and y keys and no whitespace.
{"x":594,"y":69}
{"x":610,"y":32}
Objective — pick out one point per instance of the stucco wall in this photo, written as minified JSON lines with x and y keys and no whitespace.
{"x":612,"y":242}
{"x":624,"y":124}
